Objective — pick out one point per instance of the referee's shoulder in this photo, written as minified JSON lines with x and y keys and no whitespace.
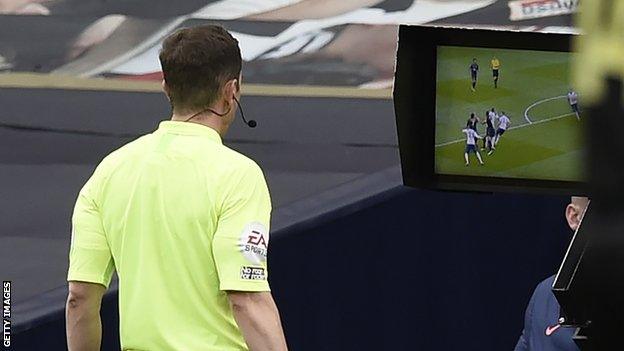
{"x":237,"y":162}
{"x":114,"y":158}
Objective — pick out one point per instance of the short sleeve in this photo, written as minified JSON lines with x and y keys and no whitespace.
{"x":90,"y":258}
{"x":241,"y":241}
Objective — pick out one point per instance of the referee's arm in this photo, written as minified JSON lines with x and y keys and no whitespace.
{"x":245,"y":218}
{"x":90,"y":270}
{"x":83,"y":323}
{"x":258,"y":318}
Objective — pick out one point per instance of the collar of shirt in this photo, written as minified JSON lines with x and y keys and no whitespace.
{"x":189,"y":128}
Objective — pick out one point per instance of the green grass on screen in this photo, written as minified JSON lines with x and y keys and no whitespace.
{"x":550,"y":147}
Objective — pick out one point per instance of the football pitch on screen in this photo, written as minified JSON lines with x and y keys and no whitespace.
{"x":544,"y":139}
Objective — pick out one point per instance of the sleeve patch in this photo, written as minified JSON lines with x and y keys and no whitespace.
{"x":254,"y":242}
{"x":253,"y":273}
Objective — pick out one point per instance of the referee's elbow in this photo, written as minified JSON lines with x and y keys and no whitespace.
{"x":84,"y":294}
{"x":75,"y":299}
{"x":242,"y":301}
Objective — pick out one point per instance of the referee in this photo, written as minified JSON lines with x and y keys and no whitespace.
{"x":181,"y":218}
{"x":495,"y":65}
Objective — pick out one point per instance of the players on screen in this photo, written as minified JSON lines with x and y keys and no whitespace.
{"x":474,"y":72}
{"x":573,"y":100}
{"x":490,"y":132}
{"x":541,"y":101}
{"x":495,"y":65}
{"x":496,"y":126}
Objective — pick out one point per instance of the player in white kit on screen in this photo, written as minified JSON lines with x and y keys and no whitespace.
{"x":471,"y":145}
{"x":573,"y":100}
{"x":503,"y":124}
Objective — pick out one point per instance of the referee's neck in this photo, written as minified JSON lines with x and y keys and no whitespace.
{"x":206,"y":119}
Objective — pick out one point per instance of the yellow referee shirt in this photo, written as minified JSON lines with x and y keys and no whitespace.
{"x":495,"y":63}
{"x":182,"y":219}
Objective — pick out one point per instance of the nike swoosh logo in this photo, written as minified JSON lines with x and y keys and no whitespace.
{"x":550,"y":330}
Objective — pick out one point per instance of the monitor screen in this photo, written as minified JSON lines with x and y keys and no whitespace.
{"x":507,"y":113}
{"x":488,"y":110}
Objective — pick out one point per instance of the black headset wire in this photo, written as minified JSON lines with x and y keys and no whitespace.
{"x":250,"y":124}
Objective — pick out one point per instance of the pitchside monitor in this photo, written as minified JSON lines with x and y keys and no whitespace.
{"x":488,"y":110}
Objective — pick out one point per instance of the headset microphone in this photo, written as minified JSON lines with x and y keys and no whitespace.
{"x":251,"y":123}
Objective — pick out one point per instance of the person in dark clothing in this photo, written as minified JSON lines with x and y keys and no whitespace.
{"x":488,"y":141}
{"x":473,"y":122}
{"x":474,"y":72}
{"x":542,"y":329}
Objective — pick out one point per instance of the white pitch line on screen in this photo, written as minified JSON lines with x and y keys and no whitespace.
{"x":515,"y":127}
{"x":526,"y":112}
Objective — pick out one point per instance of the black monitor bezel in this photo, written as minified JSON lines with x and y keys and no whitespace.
{"x":415,"y":95}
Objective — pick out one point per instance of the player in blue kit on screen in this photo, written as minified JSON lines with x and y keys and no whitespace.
{"x":473,"y":122}
{"x":474,"y":72}
{"x":490,"y":132}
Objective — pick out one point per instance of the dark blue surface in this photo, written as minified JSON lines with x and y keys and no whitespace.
{"x":416,"y":270}
{"x":420,"y":271}
{"x":541,"y":323}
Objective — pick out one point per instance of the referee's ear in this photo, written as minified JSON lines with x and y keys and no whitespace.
{"x":165,"y":89}
{"x":231,"y":90}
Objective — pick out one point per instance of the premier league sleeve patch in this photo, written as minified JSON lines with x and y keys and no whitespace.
{"x":254,"y":242}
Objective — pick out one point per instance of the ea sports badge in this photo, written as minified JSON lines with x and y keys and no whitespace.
{"x":254,"y":242}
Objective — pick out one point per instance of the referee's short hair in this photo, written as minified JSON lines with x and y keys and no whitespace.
{"x":196,"y":62}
